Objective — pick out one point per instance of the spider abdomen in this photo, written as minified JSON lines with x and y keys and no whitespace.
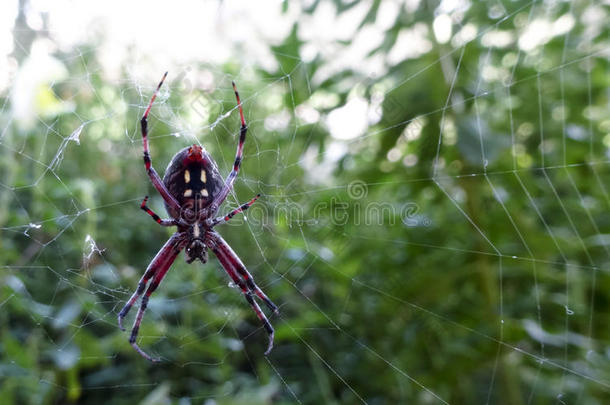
{"x":192,"y":175}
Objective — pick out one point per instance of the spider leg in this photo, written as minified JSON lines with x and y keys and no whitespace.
{"x":241,"y":269}
{"x":226,"y":218}
{"x":222,"y":194}
{"x":162,"y":222}
{"x":152,"y":174}
{"x":234,"y":267}
{"x":156,"y":270}
{"x":165,"y":254}
{"x":136,"y":325}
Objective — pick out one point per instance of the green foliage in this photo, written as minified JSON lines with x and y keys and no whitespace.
{"x":473,"y":267}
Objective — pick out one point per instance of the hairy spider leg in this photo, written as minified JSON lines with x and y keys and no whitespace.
{"x":162,"y":222}
{"x":156,"y":270}
{"x":222,"y":194}
{"x":152,"y":173}
{"x":226,"y":218}
{"x":227,"y":258}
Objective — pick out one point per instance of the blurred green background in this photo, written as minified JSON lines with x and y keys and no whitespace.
{"x":434,"y":215}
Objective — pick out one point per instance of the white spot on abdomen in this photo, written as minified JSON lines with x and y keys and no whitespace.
{"x":187,"y":176}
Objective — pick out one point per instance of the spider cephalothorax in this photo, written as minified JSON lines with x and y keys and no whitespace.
{"x":193,"y":190}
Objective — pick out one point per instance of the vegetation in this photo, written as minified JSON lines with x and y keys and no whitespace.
{"x":453,"y":250}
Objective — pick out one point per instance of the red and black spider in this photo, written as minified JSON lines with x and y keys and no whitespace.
{"x":193,"y":190}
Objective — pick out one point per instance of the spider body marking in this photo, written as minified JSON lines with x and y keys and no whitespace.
{"x":193,"y":190}
{"x":192,"y":175}
{"x":193,"y":179}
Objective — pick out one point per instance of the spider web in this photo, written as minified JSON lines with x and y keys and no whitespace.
{"x":516,"y":202}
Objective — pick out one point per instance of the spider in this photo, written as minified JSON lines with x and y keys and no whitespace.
{"x":193,"y":190}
